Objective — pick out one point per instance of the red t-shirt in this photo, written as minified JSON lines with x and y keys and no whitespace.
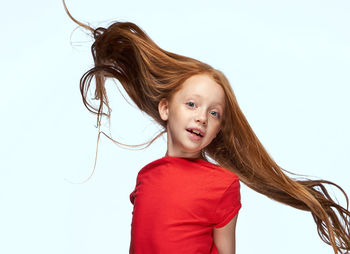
{"x":177,"y":202}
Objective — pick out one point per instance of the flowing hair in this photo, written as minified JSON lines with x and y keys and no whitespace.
{"x":149,"y":73}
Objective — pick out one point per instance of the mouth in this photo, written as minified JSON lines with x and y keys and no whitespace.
{"x":196,"y":132}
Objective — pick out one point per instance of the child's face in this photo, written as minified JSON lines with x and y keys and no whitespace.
{"x":198,"y":105}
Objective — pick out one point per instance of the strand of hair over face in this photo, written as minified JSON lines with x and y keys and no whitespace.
{"x":124,"y":52}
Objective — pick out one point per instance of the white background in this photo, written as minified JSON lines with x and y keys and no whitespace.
{"x":288,"y":63}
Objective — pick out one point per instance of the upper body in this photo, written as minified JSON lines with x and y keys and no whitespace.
{"x":178,"y":205}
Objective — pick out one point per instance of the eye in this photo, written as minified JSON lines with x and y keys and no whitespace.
{"x":214,"y":113}
{"x":191,"y":104}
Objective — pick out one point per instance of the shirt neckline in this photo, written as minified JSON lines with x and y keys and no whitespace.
{"x":188,"y":159}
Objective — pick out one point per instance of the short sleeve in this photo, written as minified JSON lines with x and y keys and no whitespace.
{"x":132,"y":196}
{"x":229,"y":205}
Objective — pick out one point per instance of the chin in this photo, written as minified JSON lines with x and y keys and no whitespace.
{"x":196,"y":149}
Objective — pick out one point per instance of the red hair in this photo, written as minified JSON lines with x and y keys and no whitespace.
{"x":149,"y":73}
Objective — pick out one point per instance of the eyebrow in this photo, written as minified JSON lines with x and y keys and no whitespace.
{"x":197,"y":95}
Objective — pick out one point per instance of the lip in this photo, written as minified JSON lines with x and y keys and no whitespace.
{"x":197,"y":129}
{"x":193,"y":136}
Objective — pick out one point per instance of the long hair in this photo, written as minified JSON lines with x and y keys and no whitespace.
{"x":149,"y":73}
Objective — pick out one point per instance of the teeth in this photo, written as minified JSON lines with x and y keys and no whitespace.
{"x":196,"y":132}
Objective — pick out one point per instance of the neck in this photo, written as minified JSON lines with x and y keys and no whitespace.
{"x":197,"y":156}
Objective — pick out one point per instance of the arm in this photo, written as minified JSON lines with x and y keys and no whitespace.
{"x":225,"y":237}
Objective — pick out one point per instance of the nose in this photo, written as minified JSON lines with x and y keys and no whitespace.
{"x":202,"y":117}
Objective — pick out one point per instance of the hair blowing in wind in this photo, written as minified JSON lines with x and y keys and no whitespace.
{"x":148,"y":73}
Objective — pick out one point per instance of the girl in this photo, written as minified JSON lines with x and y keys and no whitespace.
{"x":183,"y":203}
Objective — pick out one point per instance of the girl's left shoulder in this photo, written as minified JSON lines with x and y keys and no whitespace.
{"x":224,"y":172}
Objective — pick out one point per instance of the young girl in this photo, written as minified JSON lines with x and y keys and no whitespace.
{"x":183,"y":203}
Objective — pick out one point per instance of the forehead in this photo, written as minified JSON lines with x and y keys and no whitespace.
{"x":204,"y":87}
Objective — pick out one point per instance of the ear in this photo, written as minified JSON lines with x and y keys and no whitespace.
{"x":163,"y":108}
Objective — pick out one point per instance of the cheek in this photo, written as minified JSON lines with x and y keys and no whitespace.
{"x":175,"y":120}
{"x":215,"y":129}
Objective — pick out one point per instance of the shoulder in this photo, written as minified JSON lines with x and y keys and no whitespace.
{"x":224,"y":171}
{"x":202,"y":172}
{"x":170,"y":161}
